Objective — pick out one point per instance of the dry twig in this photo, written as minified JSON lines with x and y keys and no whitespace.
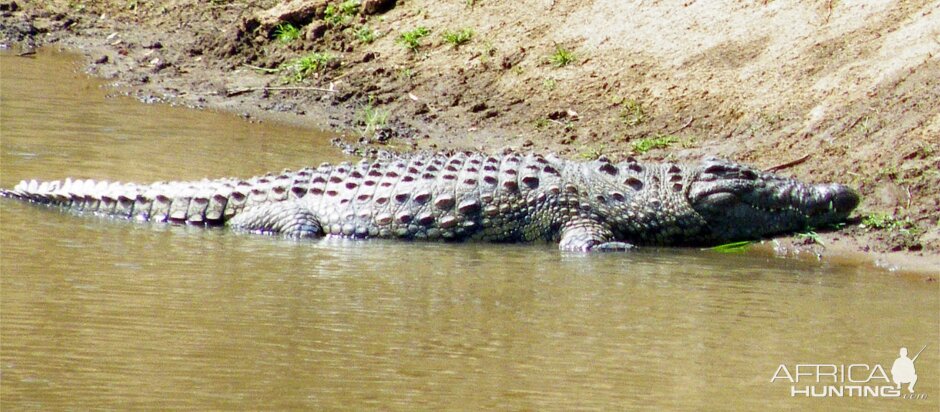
{"x":237,"y":92}
{"x":787,"y":164}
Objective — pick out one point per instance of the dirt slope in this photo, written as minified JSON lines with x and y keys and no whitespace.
{"x":846,"y":90}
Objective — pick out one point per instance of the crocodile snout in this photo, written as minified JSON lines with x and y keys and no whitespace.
{"x":832,"y":202}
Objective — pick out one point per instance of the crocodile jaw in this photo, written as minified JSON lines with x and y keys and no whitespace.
{"x":738,"y":202}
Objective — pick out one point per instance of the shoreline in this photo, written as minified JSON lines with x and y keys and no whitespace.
{"x":139,"y":60}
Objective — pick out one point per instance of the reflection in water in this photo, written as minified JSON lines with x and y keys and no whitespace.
{"x":97,"y":312}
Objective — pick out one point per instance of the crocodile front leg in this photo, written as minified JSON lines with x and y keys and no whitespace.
{"x":585,"y":235}
{"x":289,"y":218}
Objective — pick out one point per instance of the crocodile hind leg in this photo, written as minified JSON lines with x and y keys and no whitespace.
{"x":585,"y":235}
{"x":289,"y":218}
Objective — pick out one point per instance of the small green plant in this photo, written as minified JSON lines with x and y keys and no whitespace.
{"x":867,"y":125}
{"x":456,"y":38}
{"x":879,"y":221}
{"x":340,"y":14}
{"x":365,"y":34}
{"x":562,"y":57}
{"x":540,"y":123}
{"x":487,"y":52}
{"x":884,"y":221}
{"x":592,"y":153}
{"x":770,"y":119}
{"x":925,"y":150}
{"x":549,"y":84}
{"x":633,"y":113}
{"x":811,"y":235}
{"x":733,"y":247}
{"x":660,"y":141}
{"x":406,"y":74}
{"x":371,"y":118}
{"x":303,"y":67}
{"x":286,"y":33}
{"x":350,"y":7}
{"x":412,"y":39}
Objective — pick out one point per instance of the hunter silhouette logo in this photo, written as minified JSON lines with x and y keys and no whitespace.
{"x":857,"y":379}
{"x":903,"y":370}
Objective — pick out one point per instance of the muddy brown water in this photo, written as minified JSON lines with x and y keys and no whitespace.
{"x":102,"y":313}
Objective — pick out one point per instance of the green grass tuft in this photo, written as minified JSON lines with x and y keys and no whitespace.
{"x":304,"y":67}
{"x":365,"y":34}
{"x":592,"y":153}
{"x":286,"y":33}
{"x":813,"y":236}
{"x":371,"y":118}
{"x":549,"y":84}
{"x":879,"y":221}
{"x":342,"y":13}
{"x":456,"y":38}
{"x":411,"y":40}
{"x":633,"y":113}
{"x":659,"y":141}
{"x":884,"y":221}
{"x":406,"y":74}
{"x":562,"y":57}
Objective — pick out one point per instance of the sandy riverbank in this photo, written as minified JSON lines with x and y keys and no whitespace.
{"x":848,"y":92}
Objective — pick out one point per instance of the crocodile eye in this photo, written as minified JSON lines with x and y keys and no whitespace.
{"x":717,"y":169}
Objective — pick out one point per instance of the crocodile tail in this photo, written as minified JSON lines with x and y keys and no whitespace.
{"x":209,"y":202}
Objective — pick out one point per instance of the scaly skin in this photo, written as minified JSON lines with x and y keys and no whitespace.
{"x":584,"y":206}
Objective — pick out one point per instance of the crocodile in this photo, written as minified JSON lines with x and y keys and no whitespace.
{"x":584,"y":206}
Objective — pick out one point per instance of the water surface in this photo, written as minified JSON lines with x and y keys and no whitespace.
{"x":103,"y":313}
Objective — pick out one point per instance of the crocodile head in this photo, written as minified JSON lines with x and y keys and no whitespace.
{"x":738,"y":202}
